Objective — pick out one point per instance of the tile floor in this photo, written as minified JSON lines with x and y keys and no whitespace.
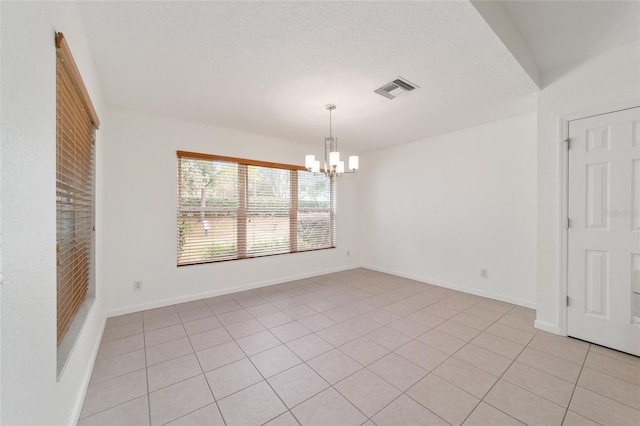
{"x":356,"y":347}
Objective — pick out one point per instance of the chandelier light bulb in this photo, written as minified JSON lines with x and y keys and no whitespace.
{"x":353,"y":162}
{"x":309,"y":160}
{"x":334,"y":158}
{"x":333,"y":166}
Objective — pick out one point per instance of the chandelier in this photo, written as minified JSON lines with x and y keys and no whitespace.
{"x":333,"y":166}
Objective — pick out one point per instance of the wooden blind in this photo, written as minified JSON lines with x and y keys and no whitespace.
{"x":75,"y":125}
{"x":233,"y":208}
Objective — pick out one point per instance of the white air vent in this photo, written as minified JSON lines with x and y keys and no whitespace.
{"x":398,"y":87}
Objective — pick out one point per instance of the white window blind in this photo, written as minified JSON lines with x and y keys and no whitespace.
{"x":315,"y":211}
{"x":231,"y":208}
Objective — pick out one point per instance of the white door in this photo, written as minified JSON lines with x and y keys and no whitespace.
{"x":604,"y":230}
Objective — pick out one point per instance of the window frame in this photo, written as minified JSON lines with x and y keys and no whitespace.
{"x":76,"y":125}
{"x":243,"y":209}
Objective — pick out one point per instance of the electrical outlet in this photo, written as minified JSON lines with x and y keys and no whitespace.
{"x":348,"y":253}
{"x":137,"y":285}
{"x":484,"y":273}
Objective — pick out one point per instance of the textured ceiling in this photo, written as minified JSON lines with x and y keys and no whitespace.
{"x":560,"y":33}
{"x":270,"y":67}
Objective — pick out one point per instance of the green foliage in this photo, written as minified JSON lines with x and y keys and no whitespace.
{"x":275,"y":203}
{"x":313,"y":204}
{"x":183,"y":229}
{"x":220,"y":250}
{"x":260,"y":247}
{"x":217,"y":250}
{"x":215,"y":185}
{"x":313,"y":233}
{"x":210,"y":202}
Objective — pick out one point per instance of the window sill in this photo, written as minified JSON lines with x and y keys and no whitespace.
{"x":69,"y":341}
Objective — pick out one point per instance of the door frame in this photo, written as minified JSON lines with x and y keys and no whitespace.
{"x":565,"y":120}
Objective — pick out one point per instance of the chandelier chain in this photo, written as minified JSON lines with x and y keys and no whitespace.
{"x":330,"y":134}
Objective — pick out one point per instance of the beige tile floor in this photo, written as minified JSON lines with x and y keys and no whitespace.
{"x":355,"y":347}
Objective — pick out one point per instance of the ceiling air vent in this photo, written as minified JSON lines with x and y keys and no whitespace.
{"x":398,"y":87}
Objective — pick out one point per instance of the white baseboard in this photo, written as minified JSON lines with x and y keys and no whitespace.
{"x":222,"y":291}
{"x":547,"y":326}
{"x":464,"y":289}
{"x":227,"y":290}
{"x":75,"y":415}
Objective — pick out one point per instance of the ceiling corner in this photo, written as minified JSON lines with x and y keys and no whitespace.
{"x":495,"y":15}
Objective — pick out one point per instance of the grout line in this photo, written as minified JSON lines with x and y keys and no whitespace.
{"x":117,"y":405}
{"x":264,"y":379}
{"x":215,"y":401}
{"x":393,"y":351}
{"x":605,"y":374}
{"x":575,"y":386}
{"x":323,"y":291}
{"x":480,"y":400}
{"x":635,"y":363}
{"x":146,"y":371}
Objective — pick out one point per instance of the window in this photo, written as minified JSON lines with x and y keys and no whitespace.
{"x":76,"y":121}
{"x":232,"y":208}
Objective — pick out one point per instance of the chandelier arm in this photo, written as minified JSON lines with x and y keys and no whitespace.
{"x":331,"y":147}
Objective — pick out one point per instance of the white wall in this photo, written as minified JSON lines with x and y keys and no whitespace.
{"x":31,"y":392}
{"x":603,"y":83}
{"x":140,"y":214}
{"x":440,"y":209}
